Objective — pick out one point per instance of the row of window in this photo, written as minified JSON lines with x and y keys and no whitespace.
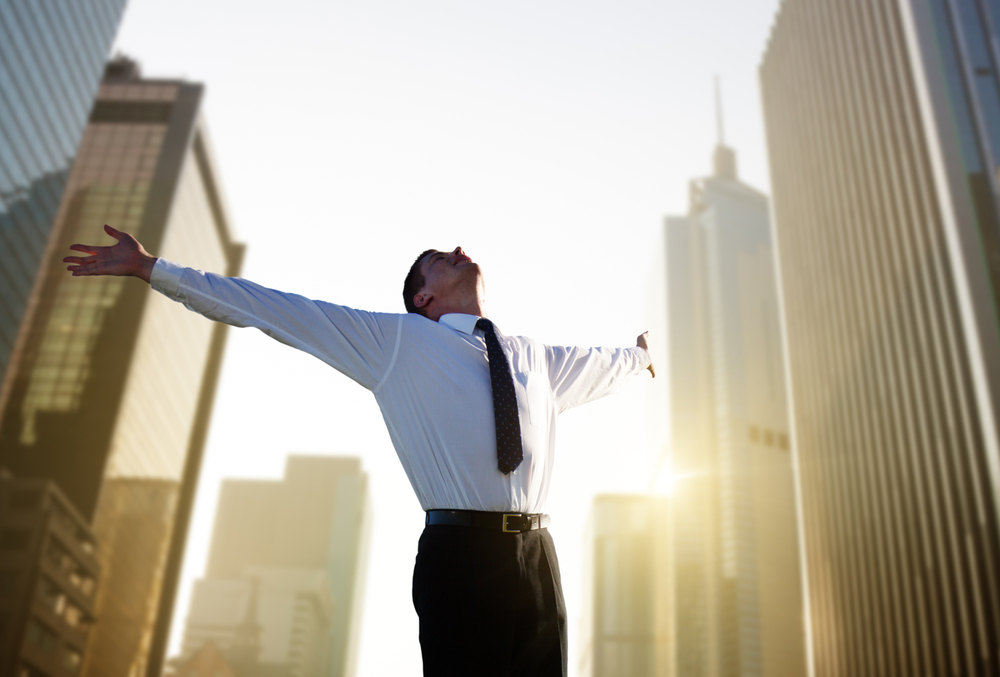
{"x":52,"y":596}
{"x":768,"y":438}
{"x":65,"y":562}
{"x":45,"y":639}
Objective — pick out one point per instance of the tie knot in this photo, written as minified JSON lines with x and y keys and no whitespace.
{"x":484,"y":324}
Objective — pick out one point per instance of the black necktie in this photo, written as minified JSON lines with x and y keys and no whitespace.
{"x":508,"y":426}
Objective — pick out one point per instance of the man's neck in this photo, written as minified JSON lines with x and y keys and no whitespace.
{"x":472,"y":307}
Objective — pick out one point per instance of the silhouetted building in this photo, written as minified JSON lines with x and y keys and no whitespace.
{"x":738,"y":600}
{"x":626,"y":625}
{"x":208,"y":661}
{"x":51,"y":58}
{"x":112,"y":393}
{"x":48,"y":573}
{"x":883,"y":127}
{"x":315,"y":520}
{"x":271,"y":621}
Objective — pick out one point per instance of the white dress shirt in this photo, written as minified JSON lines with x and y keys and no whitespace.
{"x":431,"y":380}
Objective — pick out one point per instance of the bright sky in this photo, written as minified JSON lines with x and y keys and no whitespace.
{"x":548,"y":139}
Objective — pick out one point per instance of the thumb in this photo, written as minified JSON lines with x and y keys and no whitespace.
{"x":117,"y":234}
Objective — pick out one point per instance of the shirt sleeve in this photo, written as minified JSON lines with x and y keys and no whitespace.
{"x":580,"y":375}
{"x":355,"y":342}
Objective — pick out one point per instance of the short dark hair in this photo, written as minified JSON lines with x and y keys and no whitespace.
{"x":413,"y":283}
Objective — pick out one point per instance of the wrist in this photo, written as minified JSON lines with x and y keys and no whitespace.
{"x":145,"y":270}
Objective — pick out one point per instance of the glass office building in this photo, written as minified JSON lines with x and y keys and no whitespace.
{"x":52,"y":55}
{"x":737,"y":590}
{"x":883,"y":127}
{"x":111,"y":396}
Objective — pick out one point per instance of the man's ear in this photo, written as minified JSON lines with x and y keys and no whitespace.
{"x":421,"y":299}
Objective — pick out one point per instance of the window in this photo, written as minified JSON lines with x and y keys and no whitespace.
{"x":51,"y":596}
{"x":83,"y":582}
{"x":41,"y":636}
{"x":76,"y":617}
{"x":71,"y":660}
{"x":62,"y":560}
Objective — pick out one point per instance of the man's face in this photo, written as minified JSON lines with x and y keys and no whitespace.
{"x":448,"y":272}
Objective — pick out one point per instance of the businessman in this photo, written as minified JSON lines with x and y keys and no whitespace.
{"x":471,"y":413}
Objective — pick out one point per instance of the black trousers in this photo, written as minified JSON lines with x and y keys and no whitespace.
{"x":490,"y":604}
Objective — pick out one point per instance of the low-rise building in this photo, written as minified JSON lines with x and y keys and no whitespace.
{"x":48,"y":577}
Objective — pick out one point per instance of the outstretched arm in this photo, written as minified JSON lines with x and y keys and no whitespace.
{"x":125,"y":258}
{"x":578,"y":375}
{"x":355,"y":342}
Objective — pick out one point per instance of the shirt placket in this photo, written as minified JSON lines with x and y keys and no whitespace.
{"x":517,"y":480}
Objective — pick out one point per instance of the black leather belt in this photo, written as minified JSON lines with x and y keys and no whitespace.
{"x":507,"y":522}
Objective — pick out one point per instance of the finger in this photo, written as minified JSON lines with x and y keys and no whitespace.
{"x":117,"y":234}
{"x":80,"y":260}
{"x":86,"y":248}
{"x":652,"y":371}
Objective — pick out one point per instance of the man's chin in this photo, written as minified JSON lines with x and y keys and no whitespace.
{"x":471,"y":268}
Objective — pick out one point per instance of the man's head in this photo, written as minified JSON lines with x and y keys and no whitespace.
{"x":441,"y":282}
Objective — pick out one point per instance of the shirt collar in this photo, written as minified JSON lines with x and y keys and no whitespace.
{"x":460,"y":321}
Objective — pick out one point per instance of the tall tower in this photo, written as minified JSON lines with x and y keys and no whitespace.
{"x":316,"y":520}
{"x":737,"y":596}
{"x":111,"y":395}
{"x":883,"y":128}
{"x":52,"y":55}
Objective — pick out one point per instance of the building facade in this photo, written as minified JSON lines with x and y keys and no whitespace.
{"x":48,"y":575}
{"x":111,"y":395}
{"x":738,"y":600}
{"x":626,"y":628}
{"x":288,"y":611}
{"x":52,"y":55}
{"x":317,"y":518}
{"x":883,"y":129}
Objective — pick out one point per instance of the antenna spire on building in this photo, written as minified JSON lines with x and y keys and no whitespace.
{"x":724,"y":158}
{"x":720,"y":129}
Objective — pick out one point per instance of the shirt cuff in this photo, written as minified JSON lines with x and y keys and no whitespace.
{"x":166,"y":277}
{"x":644,"y":359}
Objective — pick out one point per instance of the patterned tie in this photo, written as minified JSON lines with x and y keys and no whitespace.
{"x":508,"y":426}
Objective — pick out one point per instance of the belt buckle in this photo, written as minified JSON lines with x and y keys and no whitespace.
{"x":503,"y":524}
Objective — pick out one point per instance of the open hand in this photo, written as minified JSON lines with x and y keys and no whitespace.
{"x":125,"y":258}
{"x":641,"y":342}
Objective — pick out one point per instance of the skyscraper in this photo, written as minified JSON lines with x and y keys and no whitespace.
{"x":883,"y":128}
{"x":52,"y":55}
{"x":111,"y":395}
{"x":316,"y":519}
{"x":737,"y":595}
{"x":626,"y":629}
